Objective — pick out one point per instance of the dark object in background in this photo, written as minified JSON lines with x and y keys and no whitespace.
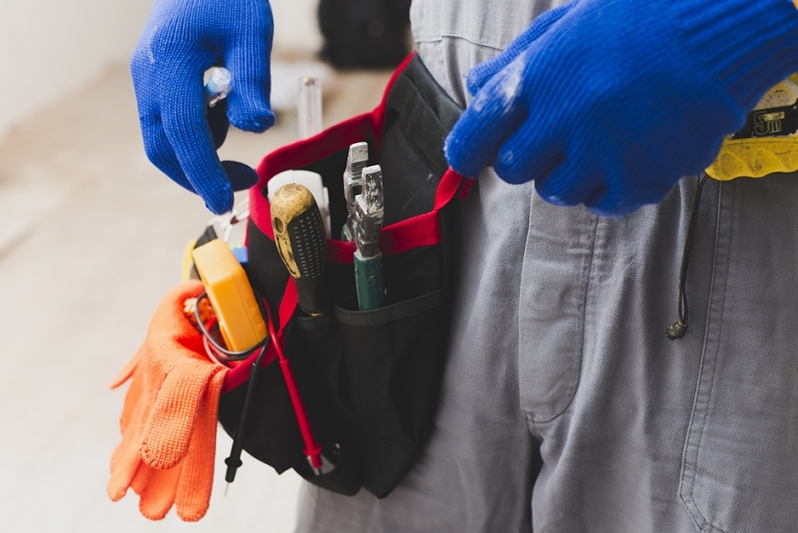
{"x":364,"y":33}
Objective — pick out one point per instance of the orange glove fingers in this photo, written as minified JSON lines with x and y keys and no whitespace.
{"x":127,"y":458}
{"x":174,"y":388}
{"x":167,"y":432}
{"x":156,"y":490}
{"x":136,"y":406}
{"x":196,"y":481}
{"x":125,"y":465}
{"x":169,"y":327}
{"x":126,"y":373}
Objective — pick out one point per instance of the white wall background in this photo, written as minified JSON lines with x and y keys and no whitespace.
{"x":295,"y":25}
{"x":50,"y":48}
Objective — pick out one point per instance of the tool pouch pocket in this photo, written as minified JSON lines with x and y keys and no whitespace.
{"x":369,"y":380}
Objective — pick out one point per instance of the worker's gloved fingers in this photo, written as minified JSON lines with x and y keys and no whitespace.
{"x":161,"y":154}
{"x":530,"y":153}
{"x":196,"y":480}
{"x":156,"y":490}
{"x":241,"y":176}
{"x":180,"y":41}
{"x":612,"y":204}
{"x":624,"y":194}
{"x":157,"y":146}
{"x":167,"y":433}
{"x":490,"y":118}
{"x":570,"y":183}
{"x":187,"y":129}
{"x":218,"y":122}
{"x":480,"y":74}
{"x":249,"y":107}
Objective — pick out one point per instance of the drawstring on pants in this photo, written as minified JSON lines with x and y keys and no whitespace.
{"x":678,"y":329}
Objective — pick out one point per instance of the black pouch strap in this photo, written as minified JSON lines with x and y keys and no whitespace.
{"x":425,"y":113}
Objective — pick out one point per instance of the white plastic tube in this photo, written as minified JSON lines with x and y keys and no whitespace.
{"x":218,"y":86}
{"x":309,"y":112}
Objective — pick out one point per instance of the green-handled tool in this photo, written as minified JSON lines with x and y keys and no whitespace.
{"x":368,"y":214}
{"x":302,"y":243}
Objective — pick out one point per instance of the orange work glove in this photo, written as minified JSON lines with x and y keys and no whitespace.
{"x":169,"y":416}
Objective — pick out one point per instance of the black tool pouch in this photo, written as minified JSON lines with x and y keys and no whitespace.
{"x":369,"y":380}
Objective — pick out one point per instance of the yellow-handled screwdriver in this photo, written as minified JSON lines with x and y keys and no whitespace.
{"x":302,"y":243}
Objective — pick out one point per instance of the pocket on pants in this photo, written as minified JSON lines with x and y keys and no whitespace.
{"x":740,"y":463}
{"x":558,"y":259}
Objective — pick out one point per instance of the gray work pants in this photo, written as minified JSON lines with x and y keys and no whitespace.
{"x":564,"y":407}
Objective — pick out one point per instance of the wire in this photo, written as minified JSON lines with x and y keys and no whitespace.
{"x":222,"y":354}
{"x":233,"y":462}
{"x":679,"y":328}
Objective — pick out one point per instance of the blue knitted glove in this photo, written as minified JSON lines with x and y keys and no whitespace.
{"x":609,"y":102}
{"x":181,"y":40}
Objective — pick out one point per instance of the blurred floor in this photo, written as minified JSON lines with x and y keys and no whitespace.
{"x":91,"y":237}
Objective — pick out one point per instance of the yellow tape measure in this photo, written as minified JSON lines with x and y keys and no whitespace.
{"x":768,"y":142}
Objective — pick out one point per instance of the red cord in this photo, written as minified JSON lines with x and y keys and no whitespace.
{"x":312,"y":448}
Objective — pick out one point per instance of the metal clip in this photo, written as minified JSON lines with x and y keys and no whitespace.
{"x":353,"y":182}
{"x":325,"y":468}
{"x":228,"y":221}
{"x":369,"y":211}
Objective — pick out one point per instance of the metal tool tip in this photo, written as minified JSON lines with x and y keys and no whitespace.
{"x":374,"y":171}
{"x":359,"y":152}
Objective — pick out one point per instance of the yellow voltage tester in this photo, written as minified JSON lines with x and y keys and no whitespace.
{"x":240,"y":319}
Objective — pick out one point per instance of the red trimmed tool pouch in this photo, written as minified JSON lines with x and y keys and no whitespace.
{"x":369,"y":380}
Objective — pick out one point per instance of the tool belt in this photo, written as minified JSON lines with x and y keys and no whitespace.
{"x":369,"y":381}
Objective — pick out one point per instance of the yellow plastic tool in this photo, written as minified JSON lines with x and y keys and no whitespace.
{"x":188,"y":261}
{"x":768,"y":142}
{"x":231,"y":295}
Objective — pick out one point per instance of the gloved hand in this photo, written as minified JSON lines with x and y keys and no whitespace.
{"x":609,"y":102}
{"x":169,"y":417}
{"x":181,"y":40}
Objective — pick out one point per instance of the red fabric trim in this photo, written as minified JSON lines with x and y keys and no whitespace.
{"x":421,"y":230}
{"x":260,"y":212}
{"x":447,"y":188}
{"x":239,"y":374}
{"x":324,"y":144}
{"x":341,"y":252}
